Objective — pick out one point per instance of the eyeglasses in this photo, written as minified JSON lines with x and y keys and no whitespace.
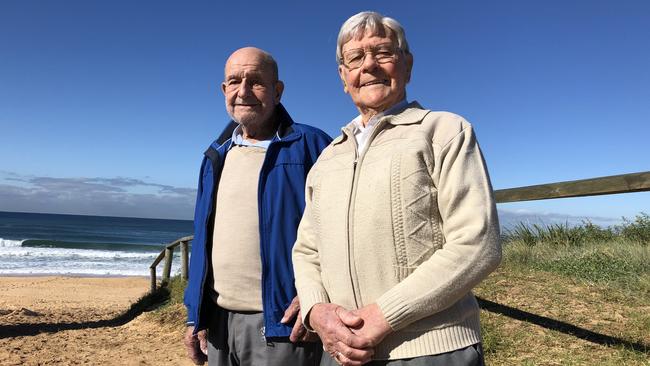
{"x":383,"y":53}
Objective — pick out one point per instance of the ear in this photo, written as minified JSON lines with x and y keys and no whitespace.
{"x":223,"y":88}
{"x":408,"y":58}
{"x":342,"y":76}
{"x":279,"y":88}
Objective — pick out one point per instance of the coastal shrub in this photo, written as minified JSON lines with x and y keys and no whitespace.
{"x":557,"y":234}
{"x":637,"y":230}
{"x":591,"y":232}
{"x":617,"y":256}
{"x":172,"y":312}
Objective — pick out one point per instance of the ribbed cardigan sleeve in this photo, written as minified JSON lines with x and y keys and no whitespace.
{"x":470,"y":226}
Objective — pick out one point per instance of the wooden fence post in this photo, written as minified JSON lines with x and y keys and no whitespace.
{"x":152,"y":270}
{"x":169,"y":254}
{"x":184,"y":259}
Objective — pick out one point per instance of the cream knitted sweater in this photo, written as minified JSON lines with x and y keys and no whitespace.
{"x":410,"y":224}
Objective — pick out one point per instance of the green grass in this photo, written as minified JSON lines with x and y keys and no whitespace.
{"x":592,"y":277}
{"x":563,"y":235}
{"x":617,"y":256}
{"x":172,"y":311}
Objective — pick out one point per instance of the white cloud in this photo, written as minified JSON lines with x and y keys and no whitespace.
{"x":117,"y":196}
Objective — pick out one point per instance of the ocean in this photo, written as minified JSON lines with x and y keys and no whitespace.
{"x":39,"y":244}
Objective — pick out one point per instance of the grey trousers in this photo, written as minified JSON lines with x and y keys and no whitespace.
{"x":468,"y":356}
{"x":239,"y":340}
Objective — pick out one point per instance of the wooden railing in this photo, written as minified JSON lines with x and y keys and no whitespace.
{"x":613,"y":184}
{"x":625,"y":183}
{"x":168,"y":255}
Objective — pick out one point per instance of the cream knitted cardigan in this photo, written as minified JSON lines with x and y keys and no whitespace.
{"x":410,"y":224}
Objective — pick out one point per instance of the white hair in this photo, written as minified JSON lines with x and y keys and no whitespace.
{"x":369,"y":21}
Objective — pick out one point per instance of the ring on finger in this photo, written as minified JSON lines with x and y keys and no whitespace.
{"x":336,"y":357}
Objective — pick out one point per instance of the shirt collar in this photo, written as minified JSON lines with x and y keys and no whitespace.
{"x":358,"y":126}
{"x":238,"y":139}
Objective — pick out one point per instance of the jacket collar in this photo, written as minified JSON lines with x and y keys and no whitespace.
{"x":409,"y":114}
{"x":285,"y":132}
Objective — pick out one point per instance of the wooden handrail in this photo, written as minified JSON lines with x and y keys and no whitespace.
{"x":168,"y":254}
{"x":614,"y":184}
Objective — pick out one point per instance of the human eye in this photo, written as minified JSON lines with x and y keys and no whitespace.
{"x":354,"y":57}
{"x":233,"y":82}
{"x":257,"y":83}
{"x":385,"y":52}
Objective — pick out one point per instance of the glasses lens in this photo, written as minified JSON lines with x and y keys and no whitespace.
{"x":354,"y":58}
{"x":382,"y":54}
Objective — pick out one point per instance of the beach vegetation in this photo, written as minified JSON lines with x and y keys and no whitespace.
{"x":172,"y":311}
{"x":584,"y":292}
{"x":568,"y":295}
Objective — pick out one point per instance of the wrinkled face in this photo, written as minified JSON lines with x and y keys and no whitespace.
{"x":249,"y":88}
{"x":376,"y":85}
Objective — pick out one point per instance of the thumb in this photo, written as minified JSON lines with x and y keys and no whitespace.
{"x":203,"y":342}
{"x":349,"y":318}
{"x":291,"y":311}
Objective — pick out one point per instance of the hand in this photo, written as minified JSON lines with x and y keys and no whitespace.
{"x":374,"y":326}
{"x":196,"y":345}
{"x":332,"y":323}
{"x":299,"y":333}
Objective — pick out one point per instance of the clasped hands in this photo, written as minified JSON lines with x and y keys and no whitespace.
{"x":349,"y":336}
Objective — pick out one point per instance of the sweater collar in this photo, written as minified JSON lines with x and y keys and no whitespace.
{"x":408,"y":114}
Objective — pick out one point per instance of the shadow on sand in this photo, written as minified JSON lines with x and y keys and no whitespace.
{"x":147,"y":302}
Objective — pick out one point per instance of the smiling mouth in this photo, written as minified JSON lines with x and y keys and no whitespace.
{"x":375,"y":82}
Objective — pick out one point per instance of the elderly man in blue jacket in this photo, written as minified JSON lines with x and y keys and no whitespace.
{"x":241,"y":301}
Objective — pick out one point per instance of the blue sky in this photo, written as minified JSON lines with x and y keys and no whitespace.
{"x":107,"y":106}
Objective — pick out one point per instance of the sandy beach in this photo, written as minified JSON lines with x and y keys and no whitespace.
{"x":72,"y":321}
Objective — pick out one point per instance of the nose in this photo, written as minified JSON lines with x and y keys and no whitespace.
{"x":244,"y":89}
{"x":369,"y":62}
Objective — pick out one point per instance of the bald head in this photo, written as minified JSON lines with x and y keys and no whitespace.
{"x":253,"y":55}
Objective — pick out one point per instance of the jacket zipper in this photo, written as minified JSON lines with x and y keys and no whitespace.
{"x":352,"y":271}
{"x":263,"y":240}
{"x":353,"y":193}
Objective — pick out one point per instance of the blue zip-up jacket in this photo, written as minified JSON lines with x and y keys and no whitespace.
{"x":281,"y":201}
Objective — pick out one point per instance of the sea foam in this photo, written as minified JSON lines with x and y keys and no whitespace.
{"x":7,"y":243}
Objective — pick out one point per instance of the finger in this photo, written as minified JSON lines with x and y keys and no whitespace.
{"x":297,"y":331}
{"x":352,"y":340}
{"x":341,"y":359}
{"x":195,"y":354}
{"x":310,"y":337}
{"x":354,"y":354}
{"x":203,"y":345}
{"x":291,"y":311}
{"x":349,"y":318}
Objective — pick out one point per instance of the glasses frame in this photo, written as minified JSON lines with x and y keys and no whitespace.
{"x":373,"y":51}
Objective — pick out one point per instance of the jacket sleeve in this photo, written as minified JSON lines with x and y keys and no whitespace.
{"x":191,"y":298}
{"x":306,"y":260}
{"x":318,"y":143}
{"x":470,"y":226}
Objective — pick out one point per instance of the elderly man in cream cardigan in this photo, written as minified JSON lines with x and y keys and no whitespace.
{"x":400,"y":220}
